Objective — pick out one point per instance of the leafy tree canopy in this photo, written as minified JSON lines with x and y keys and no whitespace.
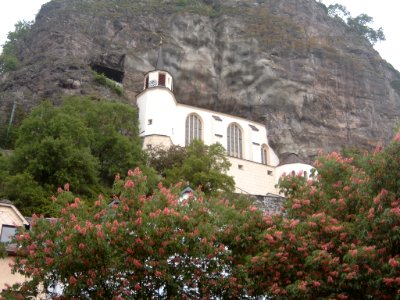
{"x":83,"y":143}
{"x":359,"y":24}
{"x":339,"y":238}
{"x":140,"y":247}
{"x":198,"y":164}
{"x":9,"y":57}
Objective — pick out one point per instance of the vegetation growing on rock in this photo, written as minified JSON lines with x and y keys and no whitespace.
{"x":10,"y":56}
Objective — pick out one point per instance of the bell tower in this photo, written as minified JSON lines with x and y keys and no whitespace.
{"x":158,"y":77}
{"x":157,"y":105}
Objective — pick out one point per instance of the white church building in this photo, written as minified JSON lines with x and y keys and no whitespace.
{"x":163,"y":121}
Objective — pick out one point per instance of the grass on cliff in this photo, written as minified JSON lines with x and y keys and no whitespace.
{"x":110,"y":84}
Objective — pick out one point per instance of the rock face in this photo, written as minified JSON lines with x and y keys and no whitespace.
{"x":314,"y":83}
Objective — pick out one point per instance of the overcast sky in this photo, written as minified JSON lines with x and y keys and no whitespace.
{"x":384,"y":12}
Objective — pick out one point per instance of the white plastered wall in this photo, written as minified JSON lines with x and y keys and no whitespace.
{"x":162,"y":120}
{"x":252,"y":178}
{"x":9,"y":215}
{"x":157,"y":110}
{"x":297,"y":168}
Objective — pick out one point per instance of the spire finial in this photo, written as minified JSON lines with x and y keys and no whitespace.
{"x":160,"y":62}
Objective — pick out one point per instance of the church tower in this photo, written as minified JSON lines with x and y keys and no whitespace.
{"x":157,"y":105}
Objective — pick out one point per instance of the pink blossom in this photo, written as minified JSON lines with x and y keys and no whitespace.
{"x":296,"y":206}
{"x":253,"y":208}
{"x":316,"y":283}
{"x":89,"y":224}
{"x":158,"y":273}
{"x":397,"y":137}
{"x":388,"y":281}
{"x":293,"y":223}
{"x":302,"y":286}
{"x":49,"y":261}
{"x":90,"y":282}
{"x":278,"y":235}
{"x":139,"y":241}
{"x":269,"y":237}
{"x":353,"y":252}
{"x":137,"y":172}
{"x":72,"y":280}
{"x":393,"y":263}
{"x":137,"y":263}
{"x":129,"y":184}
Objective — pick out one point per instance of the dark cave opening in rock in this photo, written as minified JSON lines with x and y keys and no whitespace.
{"x":116,"y":75}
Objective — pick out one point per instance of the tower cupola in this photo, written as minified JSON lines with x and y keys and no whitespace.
{"x":158,"y":77}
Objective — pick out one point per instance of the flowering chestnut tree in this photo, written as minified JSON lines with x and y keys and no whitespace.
{"x":337,"y":238}
{"x":139,"y":246}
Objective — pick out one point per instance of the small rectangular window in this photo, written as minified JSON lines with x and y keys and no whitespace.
{"x":149,"y":121}
{"x":147,"y":82}
{"x":254,"y":128}
{"x":240,"y":167}
{"x":217,"y":118}
{"x":7,"y":233}
{"x":161,"y":79}
{"x":270,"y":173}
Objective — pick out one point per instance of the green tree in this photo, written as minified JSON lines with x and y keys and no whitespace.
{"x":53,"y":146}
{"x":9,"y":57}
{"x":26,"y":193}
{"x":338,"y":11}
{"x":83,"y":142}
{"x":198,"y":164}
{"x":163,"y":159}
{"x":114,"y":134}
{"x":359,"y":24}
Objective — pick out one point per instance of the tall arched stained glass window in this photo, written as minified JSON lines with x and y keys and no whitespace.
{"x":235,"y":141}
{"x":193,"y":128}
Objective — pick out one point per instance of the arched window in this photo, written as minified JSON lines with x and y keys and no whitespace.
{"x":235,"y":141}
{"x":193,"y":128}
{"x":264,"y":154}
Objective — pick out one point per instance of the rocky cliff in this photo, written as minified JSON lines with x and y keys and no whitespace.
{"x":313,"y":82}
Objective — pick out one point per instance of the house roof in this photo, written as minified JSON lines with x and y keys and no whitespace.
{"x":290,"y":158}
{"x":160,"y":61}
{"x":10,"y":215}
